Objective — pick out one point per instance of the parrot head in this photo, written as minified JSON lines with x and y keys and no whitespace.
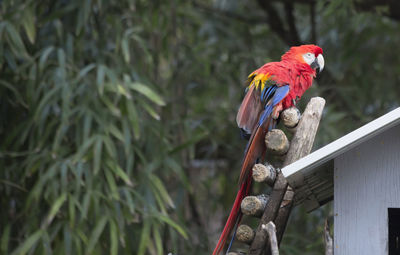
{"x":306,"y":54}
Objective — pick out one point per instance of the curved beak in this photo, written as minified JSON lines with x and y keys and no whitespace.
{"x":318,"y":63}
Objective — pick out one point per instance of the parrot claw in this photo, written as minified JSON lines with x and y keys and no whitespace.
{"x":277,"y":111}
{"x":295,"y":100}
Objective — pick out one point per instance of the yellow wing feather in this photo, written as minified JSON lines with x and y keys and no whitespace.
{"x":258,"y":80}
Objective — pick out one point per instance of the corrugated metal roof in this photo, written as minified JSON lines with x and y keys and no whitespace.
{"x":312,"y":176}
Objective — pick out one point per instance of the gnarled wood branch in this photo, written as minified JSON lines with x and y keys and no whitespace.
{"x":300,"y":146}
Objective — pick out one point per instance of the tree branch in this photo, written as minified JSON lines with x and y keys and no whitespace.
{"x":291,"y":23}
{"x":275,"y":22}
{"x":313,"y":23}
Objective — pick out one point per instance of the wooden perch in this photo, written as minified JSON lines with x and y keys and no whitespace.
{"x":303,"y":139}
{"x":264,"y":173}
{"x":254,"y":205}
{"x":271,"y":230}
{"x":328,"y":239}
{"x":290,"y":117}
{"x":300,"y":146}
{"x":277,"y":142}
{"x":270,"y":213}
{"x":245,"y":234}
{"x":283,"y":213}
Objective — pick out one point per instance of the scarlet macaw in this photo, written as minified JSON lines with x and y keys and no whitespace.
{"x":272,"y":88}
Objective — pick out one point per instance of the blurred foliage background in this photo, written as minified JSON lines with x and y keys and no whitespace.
{"x":117,"y":131}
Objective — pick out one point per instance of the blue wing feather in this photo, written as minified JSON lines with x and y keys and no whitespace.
{"x":279,"y":93}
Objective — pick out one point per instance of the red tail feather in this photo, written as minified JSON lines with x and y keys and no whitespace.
{"x":233,"y":216}
{"x":255,"y":149}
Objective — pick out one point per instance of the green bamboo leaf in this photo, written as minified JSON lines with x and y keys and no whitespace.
{"x":85,"y":71}
{"x":110,"y":146}
{"x":16,"y":43}
{"x":101,"y":74}
{"x":97,"y":149}
{"x":2,"y":26}
{"x":14,"y":91}
{"x":54,"y":210}
{"x":28,"y":243}
{"x":84,"y":148}
{"x":111,"y":106}
{"x":112,"y":185}
{"x":146,"y":91}
{"x":61,"y":58}
{"x":112,"y":76}
{"x":28,"y":22}
{"x":123,"y":91}
{"x":125,"y":49}
{"x":87,"y":125}
{"x":119,"y":172}
{"x":162,"y":190}
{"x":177,"y":168}
{"x":85,"y":205}
{"x":10,"y":58}
{"x":82,"y":236}
{"x":71,"y":210}
{"x":173,"y":224}
{"x":50,"y":95}
{"x":193,"y":140}
{"x":144,"y":238}
{"x":83,"y":15}
{"x":113,"y":238}
{"x":44,"y":56}
{"x":5,"y":238}
{"x":157,"y":240}
{"x":150,"y":110}
{"x":115,"y":132}
{"x":133,"y":118}
{"x":78,"y":246}
{"x":129,"y":201}
{"x":97,"y":231}
{"x":67,"y":240}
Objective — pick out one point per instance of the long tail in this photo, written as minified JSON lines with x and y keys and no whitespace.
{"x":233,"y":216}
{"x":255,"y":149}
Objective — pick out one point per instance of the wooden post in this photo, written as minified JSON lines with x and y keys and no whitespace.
{"x":300,"y":146}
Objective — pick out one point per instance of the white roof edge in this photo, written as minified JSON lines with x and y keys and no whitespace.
{"x":344,"y":143}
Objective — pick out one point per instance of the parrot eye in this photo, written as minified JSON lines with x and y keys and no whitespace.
{"x":309,"y":57}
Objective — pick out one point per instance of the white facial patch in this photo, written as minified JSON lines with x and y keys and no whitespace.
{"x":309,"y":57}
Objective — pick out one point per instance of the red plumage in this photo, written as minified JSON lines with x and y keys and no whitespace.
{"x":295,"y":70}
